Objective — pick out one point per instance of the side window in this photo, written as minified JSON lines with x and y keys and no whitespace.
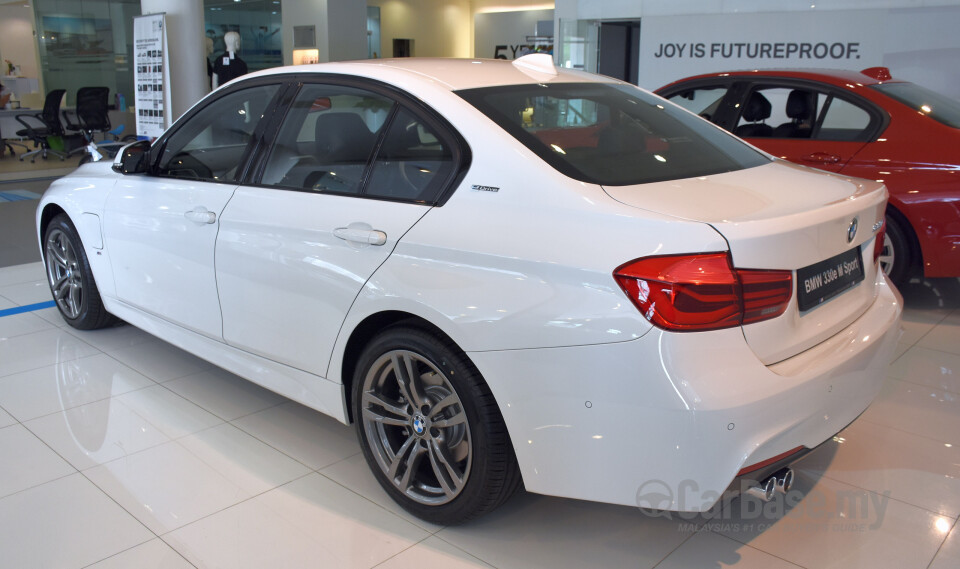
{"x":703,"y":101}
{"x":210,"y":145}
{"x":413,"y":163}
{"x":327,"y":139}
{"x":844,"y":121}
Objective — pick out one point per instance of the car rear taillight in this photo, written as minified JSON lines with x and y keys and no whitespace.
{"x":878,"y":243}
{"x":703,"y":291}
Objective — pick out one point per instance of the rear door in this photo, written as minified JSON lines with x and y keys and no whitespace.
{"x":352,"y":168}
{"x":810,"y":124}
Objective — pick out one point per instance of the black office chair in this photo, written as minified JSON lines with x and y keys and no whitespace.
{"x":91,"y":114}
{"x":45,"y":124}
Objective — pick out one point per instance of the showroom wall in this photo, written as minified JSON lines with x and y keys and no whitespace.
{"x":917,"y":39}
{"x":16,"y":22}
{"x":439,"y":28}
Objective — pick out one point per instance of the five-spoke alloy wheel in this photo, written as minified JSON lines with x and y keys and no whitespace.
{"x":70,"y":278}
{"x":430,"y":428}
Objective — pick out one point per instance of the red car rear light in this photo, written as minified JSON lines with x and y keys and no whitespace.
{"x":878,"y":244}
{"x":703,"y":291}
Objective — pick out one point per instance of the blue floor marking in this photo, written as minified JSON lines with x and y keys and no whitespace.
{"x":27,"y":308}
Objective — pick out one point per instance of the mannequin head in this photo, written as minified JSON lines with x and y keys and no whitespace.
{"x":232,"y":41}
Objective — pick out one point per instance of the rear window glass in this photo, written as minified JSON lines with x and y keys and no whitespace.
{"x":612,"y":134}
{"x":940,"y":108}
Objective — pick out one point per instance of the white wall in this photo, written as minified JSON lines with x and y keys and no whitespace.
{"x":17,"y":42}
{"x":916,"y":39}
{"x":438,"y":28}
{"x":508,"y":29}
{"x":341,"y":27}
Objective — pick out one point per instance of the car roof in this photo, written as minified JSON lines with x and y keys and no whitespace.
{"x":453,"y":74}
{"x":839,"y":77}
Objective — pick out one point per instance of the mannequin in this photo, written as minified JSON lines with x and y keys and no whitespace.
{"x":228,"y":65}
{"x":208,"y":44}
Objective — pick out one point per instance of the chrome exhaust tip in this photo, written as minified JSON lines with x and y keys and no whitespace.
{"x":784,"y":479}
{"x":765,"y":490}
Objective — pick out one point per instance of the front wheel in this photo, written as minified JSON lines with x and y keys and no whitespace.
{"x":430,"y":429}
{"x":70,"y":278}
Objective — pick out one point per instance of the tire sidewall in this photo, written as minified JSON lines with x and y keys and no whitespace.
{"x":84,"y":319}
{"x":464,"y":380}
{"x":902,"y":254}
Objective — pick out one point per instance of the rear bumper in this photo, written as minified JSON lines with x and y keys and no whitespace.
{"x":668,"y":420}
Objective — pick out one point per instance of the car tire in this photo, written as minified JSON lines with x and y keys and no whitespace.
{"x":70,"y":278}
{"x":434,"y":438}
{"x":896,"y":258}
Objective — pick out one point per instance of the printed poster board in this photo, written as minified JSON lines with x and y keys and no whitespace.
{"x":152,"y":75}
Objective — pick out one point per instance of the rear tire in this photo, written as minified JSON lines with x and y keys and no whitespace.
{"x":70,"y":278}
{"x":896,"y":257}
{"x":430,"y":429}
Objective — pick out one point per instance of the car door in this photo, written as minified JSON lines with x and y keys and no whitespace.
{"x":161,"y":227}
{"x":806,"y":124}
{"x":351,"y":169}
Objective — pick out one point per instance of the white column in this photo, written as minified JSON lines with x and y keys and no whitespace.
{"x":185,"y":46}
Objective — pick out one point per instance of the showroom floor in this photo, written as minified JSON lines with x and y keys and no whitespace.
{"x":118,"y":450}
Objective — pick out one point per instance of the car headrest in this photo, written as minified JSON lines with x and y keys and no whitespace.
{"x":798,"y":104}
{"x":757,"y":109}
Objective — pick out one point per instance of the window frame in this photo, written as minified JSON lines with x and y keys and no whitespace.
{"x":256,"y":140}
{"x":879,"y":119}
{"x":459,"y":148}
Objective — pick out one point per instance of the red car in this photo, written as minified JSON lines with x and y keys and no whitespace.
{"x":864,"y":124}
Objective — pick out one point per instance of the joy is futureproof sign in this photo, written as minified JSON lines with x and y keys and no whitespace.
{"x":674,"y":47}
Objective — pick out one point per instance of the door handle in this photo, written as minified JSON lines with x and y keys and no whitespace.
{"x":200,"y":214}
{"x":361,"y":235}
{"x":821,"y":158}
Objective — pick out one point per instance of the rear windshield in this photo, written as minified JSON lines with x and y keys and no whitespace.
{"x":940,"y":108}
{"x":611,"y":134}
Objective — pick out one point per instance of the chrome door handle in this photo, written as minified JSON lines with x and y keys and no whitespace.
{"x":361,"y":235}
{"x":201,"y":214}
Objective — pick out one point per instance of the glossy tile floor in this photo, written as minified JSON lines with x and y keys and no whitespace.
{"x":120,"y":451}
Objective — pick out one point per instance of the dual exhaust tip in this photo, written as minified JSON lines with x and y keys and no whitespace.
{"x":779,"y":481}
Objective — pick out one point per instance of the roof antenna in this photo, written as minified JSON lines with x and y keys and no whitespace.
{"x":541,"y":63}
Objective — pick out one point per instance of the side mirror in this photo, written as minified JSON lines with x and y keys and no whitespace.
{"x":132,"y":158}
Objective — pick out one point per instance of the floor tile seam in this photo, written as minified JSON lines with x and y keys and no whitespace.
{"x":307,"y":466}
{"x":944,"y":542}
{"x":948,"y":515}
{"x":38,"y":485}
{"x":921,"y":435}
{"x":336,"y":462}
{"x":91,"y":402}
{"x":457,"y":547}
{"x":16,"y":283}
{"x":416,"y":523}
{"x":224,"y":419}
{"x":112,"y":555}
{"x":755,"y":548}
{"x":158,"y":427}
{"x":59,"y":361}
{"x":950,"y":391}
{"x":221,"y":510}
{"x":938,"y":350}
{"x":674,"y":550}
{"x":133,"y":517}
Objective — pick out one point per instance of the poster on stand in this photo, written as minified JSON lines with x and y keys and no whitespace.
{"x":152,"y":76}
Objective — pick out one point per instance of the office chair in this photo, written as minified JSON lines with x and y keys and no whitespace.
{"x":91,"y":114}
{"x":50,"y":125}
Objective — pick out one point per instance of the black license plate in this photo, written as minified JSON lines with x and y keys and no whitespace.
{"x":822,"y":281}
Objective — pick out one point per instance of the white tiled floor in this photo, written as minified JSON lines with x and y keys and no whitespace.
{"x":118,"y":450}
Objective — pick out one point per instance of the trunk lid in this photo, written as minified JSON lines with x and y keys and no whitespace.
{"x":786,"y":217}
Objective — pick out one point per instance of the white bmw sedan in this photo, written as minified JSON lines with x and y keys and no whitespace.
{"x":502,"y":273}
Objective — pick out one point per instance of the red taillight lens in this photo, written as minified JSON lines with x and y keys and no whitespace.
{"x":703,"y":291}
{"x":878,"y":244}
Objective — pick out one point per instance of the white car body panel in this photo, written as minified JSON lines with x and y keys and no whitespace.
{"x":286,"y":282}
{"x":163,"y":262}
{"x":516,"y":269}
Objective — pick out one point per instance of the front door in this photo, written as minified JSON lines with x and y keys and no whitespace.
{"x":162,"y":227}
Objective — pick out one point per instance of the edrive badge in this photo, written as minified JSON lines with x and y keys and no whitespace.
{"x":852,"y":230}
